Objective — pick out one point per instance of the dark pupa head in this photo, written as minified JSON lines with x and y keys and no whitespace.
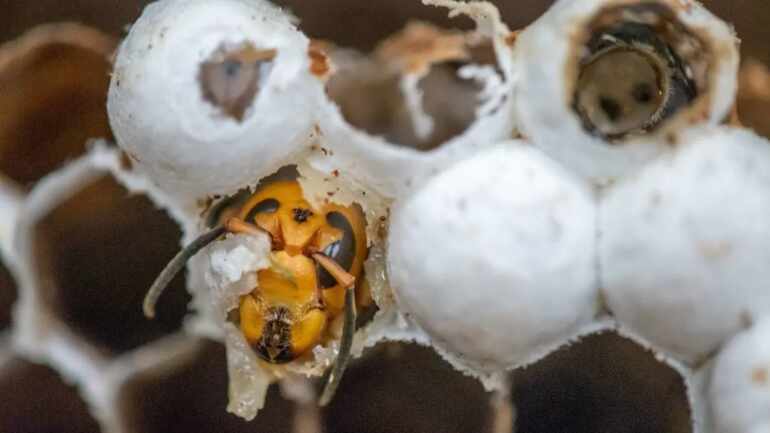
{"x":637,"y":67}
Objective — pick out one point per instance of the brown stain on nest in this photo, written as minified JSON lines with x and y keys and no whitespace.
{"x":419,"y":45}
{"x":760,"y":376}
{"x":512,"y":37}
{"x":714,"y":251}
{"x":320,"y":65}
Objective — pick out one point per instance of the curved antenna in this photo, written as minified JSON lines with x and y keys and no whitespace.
{"x":174,"y":266}
{"x":331,"y":379}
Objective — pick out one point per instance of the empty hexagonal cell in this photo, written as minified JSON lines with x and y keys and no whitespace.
{"x":53,"y":82}
{"x":366,"y":24}
{"x":406,"y":388}
{"x":8,"y":294}
{"x":604,"y":383}
{"x":414,"y":89}
{"x":36,"y":400}
{"x":103,"y":248}
{"x":193,"y":397}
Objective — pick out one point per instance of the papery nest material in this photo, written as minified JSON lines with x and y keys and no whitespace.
{"x":419,"y":45}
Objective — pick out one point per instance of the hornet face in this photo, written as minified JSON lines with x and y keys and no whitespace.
{"x":315,"y":264}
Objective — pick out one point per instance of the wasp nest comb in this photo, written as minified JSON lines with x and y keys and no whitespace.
{"x":495,"y":195}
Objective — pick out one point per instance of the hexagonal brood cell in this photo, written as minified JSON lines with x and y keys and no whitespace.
{"x":622,"y":79}
{"x":64,"y":227}
{"x":97,"y":243}
{"x":203,"y":94}
{"x":51,"y":67}
{"x":231,"y":268}
{"x":619,"y":387}
{"x":416,"y":130}
{"x":684,"y":243}
{"x":151,"y":402}
{"x":504,"y":241}
{"x":432,"y":395}
{"x":30,"y":390}
{"x":738,"y":393}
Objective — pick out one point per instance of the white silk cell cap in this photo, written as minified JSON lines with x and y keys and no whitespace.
{"x":207,"y":95}
{"x":495,"y":257}
{"x":683,"y":250}
{"x":738,"y":393}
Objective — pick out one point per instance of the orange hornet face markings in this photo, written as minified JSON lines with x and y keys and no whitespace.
{"x":303,"y":290}
{"x":316,"y":261}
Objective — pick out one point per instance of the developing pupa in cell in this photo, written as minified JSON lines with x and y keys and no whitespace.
{"x":638,"y":68}
{"x":312,"y":282}
{"x":623,"y":79}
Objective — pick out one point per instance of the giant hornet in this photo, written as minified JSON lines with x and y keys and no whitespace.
{"x":316,"y":262}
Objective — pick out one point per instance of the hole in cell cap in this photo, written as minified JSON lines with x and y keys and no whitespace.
{"x":232,"y":76}
{"x":638,"y":67}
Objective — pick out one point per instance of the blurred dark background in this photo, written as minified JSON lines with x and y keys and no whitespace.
{"x":356,"y":23}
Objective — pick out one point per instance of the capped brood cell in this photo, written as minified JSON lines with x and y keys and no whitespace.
{"x":622,"y":79}
{"x":683,"y":246}
{"x":203,"y":96}
{"x":517,"y":252}
{"x":738,"y":390}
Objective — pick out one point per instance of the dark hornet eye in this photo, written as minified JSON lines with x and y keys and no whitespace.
{"x":269,"y":205}
{"x":342,"y":251}
{"x":214,"y":215}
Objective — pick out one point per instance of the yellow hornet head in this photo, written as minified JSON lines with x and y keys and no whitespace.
{"x":316,"y":260}
{"x":296,"y":298}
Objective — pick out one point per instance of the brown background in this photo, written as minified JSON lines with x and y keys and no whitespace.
{"x":356,"y":23}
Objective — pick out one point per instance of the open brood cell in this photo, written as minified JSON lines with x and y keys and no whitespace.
{"x":510,"y":214}
{"x":97,"y":245}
